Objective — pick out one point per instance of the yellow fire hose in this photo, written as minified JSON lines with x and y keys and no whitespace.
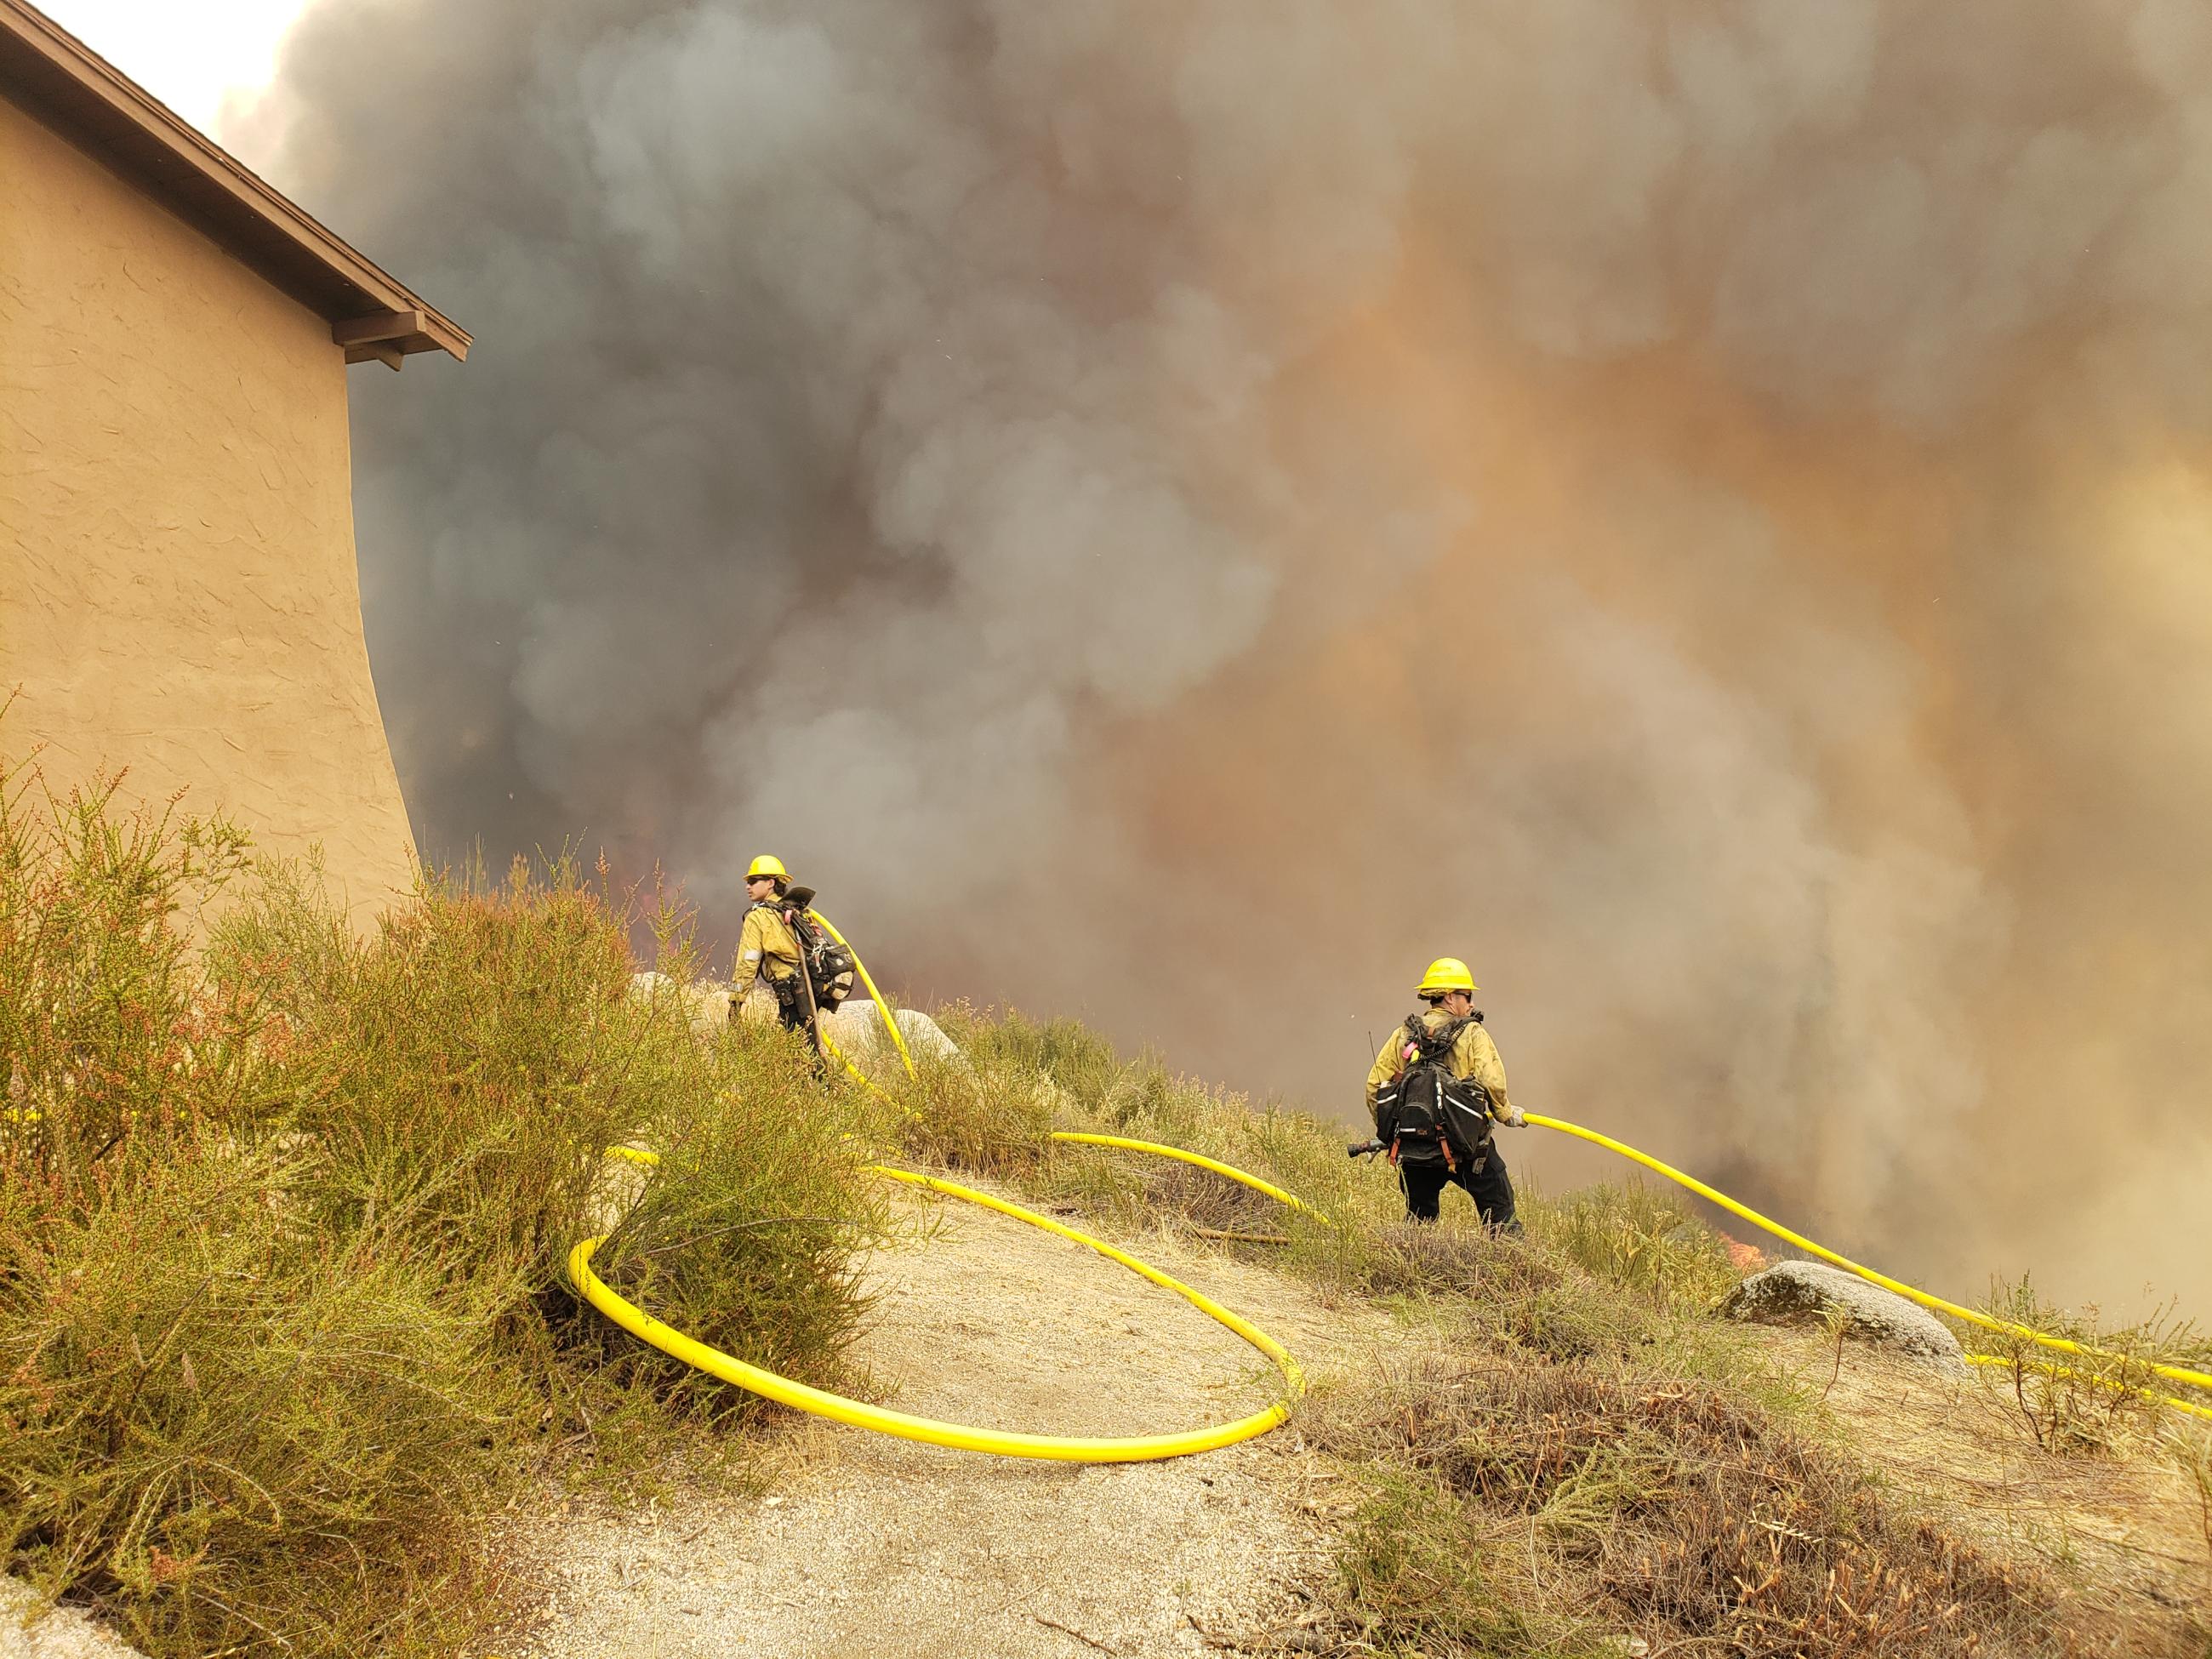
{"x":874,"y":996}
{"x":2021,"y":1332}
{"x":1999,"y":1362}
{"x":1200,"y":1159}
{"x":1070,"y":1448}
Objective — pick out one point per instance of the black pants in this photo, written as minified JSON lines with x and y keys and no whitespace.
{"x":795,"y":1009}
{"x":1490,"y":1188}
{"x":791,"y":1010}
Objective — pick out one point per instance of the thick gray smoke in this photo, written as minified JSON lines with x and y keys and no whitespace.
{"x":1180,"y":513}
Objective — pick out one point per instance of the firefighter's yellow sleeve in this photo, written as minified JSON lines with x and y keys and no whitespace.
{"x":1387,"y":1065}
{"x":1474,"y":1055}
{"x":765,"y":947}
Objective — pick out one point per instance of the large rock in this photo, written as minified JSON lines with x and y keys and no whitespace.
{"x":857,"y":1030}
{"x":706,"y":1002}
{"x":1804,"y":1293}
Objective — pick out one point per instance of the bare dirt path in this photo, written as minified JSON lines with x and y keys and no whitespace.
{"x":872,"y":1546}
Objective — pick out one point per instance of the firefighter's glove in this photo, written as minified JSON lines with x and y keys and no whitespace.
{"x":1513,"y":1119}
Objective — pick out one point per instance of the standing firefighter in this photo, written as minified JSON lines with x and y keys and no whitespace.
{"x":1435,"y":1090}
{"x":768,"y":950}
{"x":793,"y":952}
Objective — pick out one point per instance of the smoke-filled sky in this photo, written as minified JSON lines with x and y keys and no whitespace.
{"x":1180,"y":512}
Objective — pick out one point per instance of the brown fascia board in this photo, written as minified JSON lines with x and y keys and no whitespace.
{"x":64,"y":83}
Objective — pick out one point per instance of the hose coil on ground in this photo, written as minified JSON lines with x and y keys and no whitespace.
{"x":1068,"y":1449}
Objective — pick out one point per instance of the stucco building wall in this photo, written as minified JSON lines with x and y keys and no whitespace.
{"x":178,"y":590}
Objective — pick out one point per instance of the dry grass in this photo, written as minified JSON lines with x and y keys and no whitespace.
{"x":2189,"y":1446}
{"x":1519,"y":1508}
{"x":1641,"y":1237}
{"x":2125,"y":1534}
{"x":991,"y":1117}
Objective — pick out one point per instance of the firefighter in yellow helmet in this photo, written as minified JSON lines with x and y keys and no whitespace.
{"x":769,"y":951}
{"x":1434,"y":1092}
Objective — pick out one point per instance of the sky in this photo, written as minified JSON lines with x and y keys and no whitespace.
{"x":193,"y":57}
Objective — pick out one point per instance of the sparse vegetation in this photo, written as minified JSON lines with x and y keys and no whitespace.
{"x":283,"y":1219}
{"x":2102,"y":1401}
{"x":2190,"y":1445}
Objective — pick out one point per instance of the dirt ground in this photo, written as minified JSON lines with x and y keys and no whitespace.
{"x":872,"y":1546}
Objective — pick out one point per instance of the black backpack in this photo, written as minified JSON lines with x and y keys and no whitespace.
{"x":1424,"y":1114}
{"x":828,"y":965}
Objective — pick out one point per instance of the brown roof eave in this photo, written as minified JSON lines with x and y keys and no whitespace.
{"x":63,"y":83}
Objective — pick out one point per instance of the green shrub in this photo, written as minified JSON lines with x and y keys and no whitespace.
{"x":283,"y":1222}
{"x":988,"y":1115}
{"x":104,"y":1027}
{"x":229,"y":1430}
{"x":460,"y":1077}
{"x":742,"y":1235}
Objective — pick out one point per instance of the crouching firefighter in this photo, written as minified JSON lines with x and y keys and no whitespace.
{"x":1434,"y":1092}
{"x":784,"y":946}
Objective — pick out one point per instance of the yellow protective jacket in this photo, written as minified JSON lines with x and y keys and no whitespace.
{"x":766,"y":947}
{"x":1472,"y":1055}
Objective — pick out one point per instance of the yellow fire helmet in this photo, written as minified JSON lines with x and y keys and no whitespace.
{"x":1445,"y":973}
{"x":769,"y":865}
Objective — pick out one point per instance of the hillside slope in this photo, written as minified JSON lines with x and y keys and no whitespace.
{"x":862,"y":1545}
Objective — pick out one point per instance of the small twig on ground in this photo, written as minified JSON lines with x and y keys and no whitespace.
{"x":2019,"y":1394}
{"x":1838,"y":1320}
{"x":1240,"y":1238}
{"x":1213,"y":1638}
{"x":1087,"y":1641}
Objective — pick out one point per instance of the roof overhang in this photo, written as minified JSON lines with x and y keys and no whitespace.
{"x":61,"y":82}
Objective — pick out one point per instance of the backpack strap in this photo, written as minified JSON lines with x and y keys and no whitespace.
{"x":1433,"y":1045}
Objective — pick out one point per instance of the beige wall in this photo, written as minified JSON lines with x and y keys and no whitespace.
{"x":177,"y":593}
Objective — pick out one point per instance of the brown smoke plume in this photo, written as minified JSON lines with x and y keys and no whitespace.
{"x":1181,"y":512}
